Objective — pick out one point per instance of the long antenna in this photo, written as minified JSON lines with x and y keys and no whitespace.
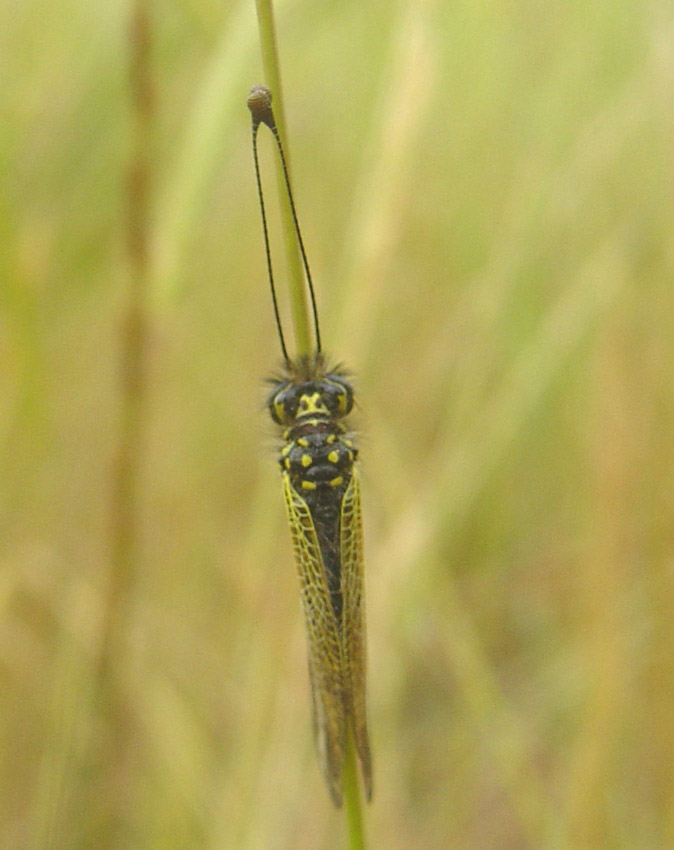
{"x":259,"y":103}
{"x":277,"y":316}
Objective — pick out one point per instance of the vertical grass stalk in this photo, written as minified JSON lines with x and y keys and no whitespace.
{"x":296,"y":285}
{"x":301,"y":325}
{"x":352,"y":799}
{"x":116,"y":770}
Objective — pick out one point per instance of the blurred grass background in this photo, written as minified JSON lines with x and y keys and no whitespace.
{"x":486,"y":196}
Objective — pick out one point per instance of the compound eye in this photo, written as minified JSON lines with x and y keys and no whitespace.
{"x":290,"y":405}
{"x":347,"y":400}
{"x":283,"y":406}
{"x":340,"y":398}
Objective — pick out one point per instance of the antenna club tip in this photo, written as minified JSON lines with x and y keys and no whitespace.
{"x":259,"y":103}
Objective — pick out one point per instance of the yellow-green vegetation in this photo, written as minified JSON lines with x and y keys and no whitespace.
{"x":485,"y":193}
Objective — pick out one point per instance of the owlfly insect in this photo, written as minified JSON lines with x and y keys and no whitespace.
{"x":319,"y":468}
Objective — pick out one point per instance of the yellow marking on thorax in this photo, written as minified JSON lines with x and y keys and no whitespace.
{"x":333,"y":457}
{"x":335,"y":482}
{"x":308,"y":485}
{"x":305,"y":460}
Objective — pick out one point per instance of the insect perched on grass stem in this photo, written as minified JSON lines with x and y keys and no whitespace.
{"x":320,"y":476}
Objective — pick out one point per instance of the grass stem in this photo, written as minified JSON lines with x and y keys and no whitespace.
{"x":296,"y":285}
{"x":300,"y":317}
{"x":116,"y":758}
{"x":352,"y":799}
